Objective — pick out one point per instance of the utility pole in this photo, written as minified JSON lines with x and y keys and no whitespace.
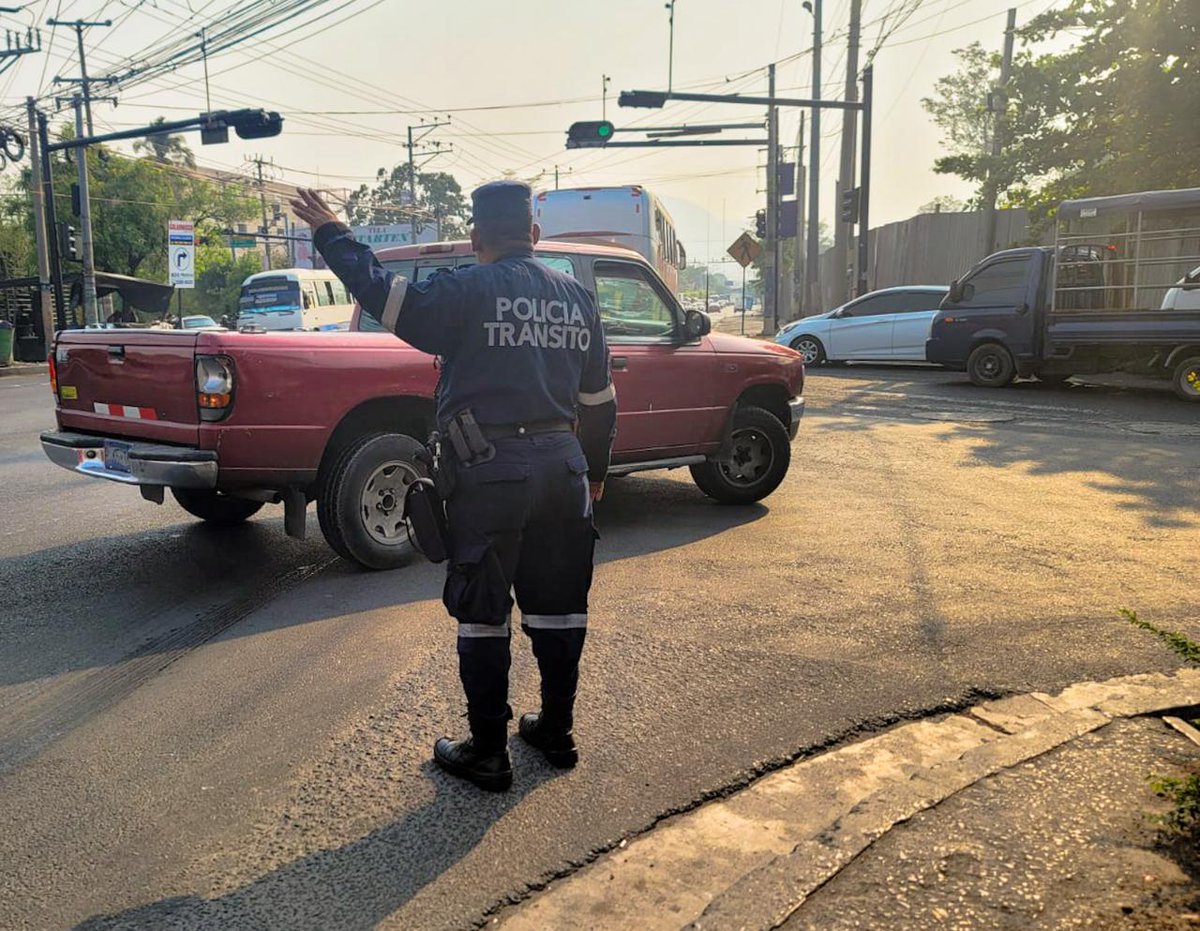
{"x":39,"y":225}
{"x":262,"y":199}
{"x":414,"y":140}
{"x":771,"y":253}
{"x":998,"y":104}
{"x":864,"y":184}
{"x":84,"y":82}
{"x":670,"y":5}
{"x":842,"y":232}
{"x":799,"y":280}
{"x":91,"y":315}
{"x":605,"y":80}
{"x":813,"y":262}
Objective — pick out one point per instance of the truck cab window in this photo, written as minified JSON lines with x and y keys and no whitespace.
{"x":630,"y":305}
{"x":997,"y":284}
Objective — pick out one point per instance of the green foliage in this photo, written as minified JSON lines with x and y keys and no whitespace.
{"x":165,"y":148}
{"x":438,"y":197}
{"x":1185,"y":794}
{"x":17,"y":247}
{"x":1113,"y":112}
{"x":1187,"y":649}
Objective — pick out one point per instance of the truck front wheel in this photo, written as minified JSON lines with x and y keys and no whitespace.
{"x":1186,"y":380}
{"x":360,"y":504}
{"x":215,"y":508}
{"x":991,"y":366}
{"x":752,"y":463}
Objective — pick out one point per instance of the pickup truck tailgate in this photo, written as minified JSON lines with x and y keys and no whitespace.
{"x":131,"y":383}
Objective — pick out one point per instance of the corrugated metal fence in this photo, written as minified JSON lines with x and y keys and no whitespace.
{"x":930,"y":248}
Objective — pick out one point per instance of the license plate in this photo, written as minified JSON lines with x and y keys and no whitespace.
{"x":116,"y":456}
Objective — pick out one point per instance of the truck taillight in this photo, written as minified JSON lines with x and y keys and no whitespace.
{"x":214,"y":386}
{"x":53,"y":374}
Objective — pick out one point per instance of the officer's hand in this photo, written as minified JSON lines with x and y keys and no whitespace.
{"x":310,"y":208}
{"x":597,"y":490}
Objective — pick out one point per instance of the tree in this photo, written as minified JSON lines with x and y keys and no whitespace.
{"x":219,"y":278}
{"x":166,"y":148}
{"x":133,"y":198}
{"x":959,"y":107}
{"x":439,"y":200}
{"x":943,"y":203}
{"x":1114,"y":112}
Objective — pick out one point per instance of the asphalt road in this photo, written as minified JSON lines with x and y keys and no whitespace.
{"x":202,"y":729}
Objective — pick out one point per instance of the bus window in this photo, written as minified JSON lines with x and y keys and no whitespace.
{"x":325,"y":293}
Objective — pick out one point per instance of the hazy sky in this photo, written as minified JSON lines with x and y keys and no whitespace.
{"x":449,"y":57}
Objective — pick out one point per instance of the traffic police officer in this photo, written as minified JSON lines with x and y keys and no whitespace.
{"x":525,"y":379}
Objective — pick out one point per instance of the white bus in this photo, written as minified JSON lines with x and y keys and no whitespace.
{"x":295,"y":299}
{"x":628,"y":216}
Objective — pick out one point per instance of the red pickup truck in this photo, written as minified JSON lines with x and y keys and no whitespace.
{"x":229,"y":421}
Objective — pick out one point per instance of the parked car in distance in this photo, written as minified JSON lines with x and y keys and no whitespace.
{"x":888,"y":325}
{"x":200,"y":322}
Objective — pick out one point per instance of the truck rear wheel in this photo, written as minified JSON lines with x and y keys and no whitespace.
{"x":755,"y":460}
{"x":991,"y":366}
{"x":1186,"y":380}
{"x":215,"y":508}
{"x":360,"y":504}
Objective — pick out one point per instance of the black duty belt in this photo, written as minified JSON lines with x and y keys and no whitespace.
{"x":498,"y":431}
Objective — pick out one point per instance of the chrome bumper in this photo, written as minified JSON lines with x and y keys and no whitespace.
{"x":149,"y":463}
{"x":795,"y":412}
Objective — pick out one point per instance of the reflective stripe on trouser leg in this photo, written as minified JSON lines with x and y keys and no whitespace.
{"x":476,"y":631}
{"x":554,"y":621}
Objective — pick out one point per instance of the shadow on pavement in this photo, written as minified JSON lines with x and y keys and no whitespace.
{"x":134,"y":597}
{"x":354,"y":886}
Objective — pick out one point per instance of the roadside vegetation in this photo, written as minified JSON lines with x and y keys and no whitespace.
{"x":1183,"y":792}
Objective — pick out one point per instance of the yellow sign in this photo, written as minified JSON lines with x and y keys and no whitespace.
{"x":745,"y":249}
{"x":69,"y":393}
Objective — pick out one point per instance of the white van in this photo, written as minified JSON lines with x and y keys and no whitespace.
{"x":295,"y":299}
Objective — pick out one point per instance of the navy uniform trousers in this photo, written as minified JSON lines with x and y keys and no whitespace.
{"x":520,"y":522}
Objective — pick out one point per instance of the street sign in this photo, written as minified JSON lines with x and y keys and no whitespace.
{"x":745,"y":249}
{"x":786,"y":179}
{"x":181,"y":252}
{"x":243,"y":243}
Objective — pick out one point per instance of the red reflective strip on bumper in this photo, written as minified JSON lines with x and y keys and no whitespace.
{"x":123,"y":410}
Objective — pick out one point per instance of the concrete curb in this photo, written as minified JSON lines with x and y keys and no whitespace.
{"x":24,"y":368}
{"x":750,"y":860}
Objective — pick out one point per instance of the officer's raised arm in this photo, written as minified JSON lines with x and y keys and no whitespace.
{"x":355,"y":264}
{"x":423,"y":315}
{"x":597,"y":406}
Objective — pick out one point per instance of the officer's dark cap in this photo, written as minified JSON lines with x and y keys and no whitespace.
{"x":503,"y":206}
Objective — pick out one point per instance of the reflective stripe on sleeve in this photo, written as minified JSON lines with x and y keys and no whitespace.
{"x":395,"y":300}
{"x":473,"y":631}
{"x":592,"y":398}
{"x":554,"y":621}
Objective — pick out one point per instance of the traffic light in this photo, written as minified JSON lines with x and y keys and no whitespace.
{"x":592,"y":134}
{"x":248,"y":124}
{"x":653,"y":99}
{"x":68,"y":242}
{"x":76,"y":200}
{"x":760,"y":224}
{"x":850,"y":201}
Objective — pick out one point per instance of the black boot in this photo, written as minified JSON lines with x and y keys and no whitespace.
{"x":551,"y":731}
{"x":482,"y":758}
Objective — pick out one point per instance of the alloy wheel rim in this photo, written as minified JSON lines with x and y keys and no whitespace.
{"x":750,"y":457}
{"x":381,"y":505}
{"x":808,"y":351}
{"x":1191,"y":381}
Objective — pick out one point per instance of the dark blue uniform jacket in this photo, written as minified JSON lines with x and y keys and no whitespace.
{"x":519,"y":342}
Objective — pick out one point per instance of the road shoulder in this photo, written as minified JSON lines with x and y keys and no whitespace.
{"x":752,"y":859}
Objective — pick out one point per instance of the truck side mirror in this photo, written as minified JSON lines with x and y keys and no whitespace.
{"x":955,"y":295}
{"x":696,"y":324}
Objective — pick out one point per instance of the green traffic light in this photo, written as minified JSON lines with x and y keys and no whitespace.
{"x":604,"y":130}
